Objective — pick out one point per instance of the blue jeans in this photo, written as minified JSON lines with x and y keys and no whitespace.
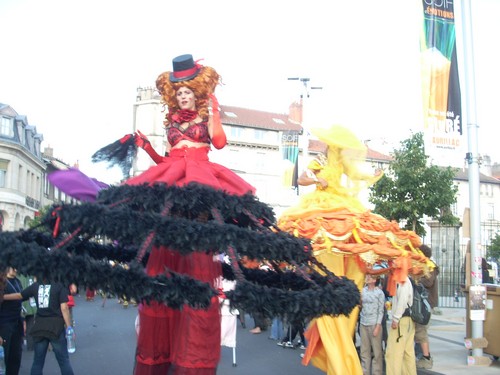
{"x":276,"y":329}
{"x":60,"y":350}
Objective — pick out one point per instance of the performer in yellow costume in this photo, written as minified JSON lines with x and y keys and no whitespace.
{"x":348,"y":239}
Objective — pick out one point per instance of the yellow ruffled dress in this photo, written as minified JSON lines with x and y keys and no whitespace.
{"x":349,"y":240}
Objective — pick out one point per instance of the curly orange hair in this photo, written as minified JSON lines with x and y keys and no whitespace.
{"x":202,"y":85}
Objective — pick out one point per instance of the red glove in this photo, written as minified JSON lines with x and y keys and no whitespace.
{"x":143,"y":142}
{"x":218,"y":135}
{"x":140,"y":139}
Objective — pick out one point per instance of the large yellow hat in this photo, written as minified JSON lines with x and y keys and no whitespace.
{"x":339,"y":137}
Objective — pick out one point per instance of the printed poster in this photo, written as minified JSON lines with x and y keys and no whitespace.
{"x":290,"y":154}
{"x":477,"y":301}
{"x":441,"y":98}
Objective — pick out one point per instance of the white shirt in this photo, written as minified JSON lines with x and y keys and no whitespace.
{"x":402,"y":300}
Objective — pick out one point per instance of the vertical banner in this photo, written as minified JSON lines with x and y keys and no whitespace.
{"x":290,"y":155}
{"x":440,"y":81}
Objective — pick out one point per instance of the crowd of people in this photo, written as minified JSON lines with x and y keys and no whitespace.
{"x":392,"y":331}
{"x":186,"y":212}
{"x":389,"y":341}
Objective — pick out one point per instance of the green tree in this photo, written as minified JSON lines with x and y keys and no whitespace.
{"x":37,"y":220}
{"x":493,"y":250}
{"x":411,"y":189}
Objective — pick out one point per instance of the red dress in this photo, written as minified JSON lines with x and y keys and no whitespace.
{"x":183,"y":341}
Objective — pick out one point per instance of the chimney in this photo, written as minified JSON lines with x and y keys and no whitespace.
{"x":48,"y":151}
{"x":295,"y":112}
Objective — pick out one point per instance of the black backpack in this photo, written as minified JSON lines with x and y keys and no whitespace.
{"x":420,"y":311}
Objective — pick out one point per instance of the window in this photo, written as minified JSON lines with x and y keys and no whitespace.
{"x":259,"y":134}
{"x":490,"y":234}
{"x":21,"y":131}
{"x":454,"y":209}
{"x":260,"y":162}
{"x":27,"y":183}
{"x":491,"y":211}
{"x":37,"y":188}
{"x":6,"y":126}
{"x":236,"y":132}
{"x":20,"y":179}
{"x":3,"y":178}
{"x":234,"y":159}
{"x":32,"y":185}
{"x":3,"y":172}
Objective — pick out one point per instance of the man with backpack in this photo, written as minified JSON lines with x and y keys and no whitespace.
{"x":421,"y":336}
{"x":400,"y":351}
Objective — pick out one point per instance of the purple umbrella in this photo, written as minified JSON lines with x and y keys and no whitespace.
{"x":76,"y":184}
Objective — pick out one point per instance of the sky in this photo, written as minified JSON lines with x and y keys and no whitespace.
{"x":73,"y":67}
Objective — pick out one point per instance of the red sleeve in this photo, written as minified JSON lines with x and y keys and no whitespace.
{"x":157,"y":158}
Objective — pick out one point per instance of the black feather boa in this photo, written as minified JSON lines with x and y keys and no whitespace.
{"x":59,"y":265}
{"x":121,"y":153}
{"x":186,"y":219}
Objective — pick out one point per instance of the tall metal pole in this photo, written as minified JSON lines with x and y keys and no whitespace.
{"x":304,"y":139}
{"x":305,"y":97}
{"x":472,"y":159}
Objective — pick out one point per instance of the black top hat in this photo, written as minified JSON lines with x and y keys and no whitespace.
{"x":184,"y":68}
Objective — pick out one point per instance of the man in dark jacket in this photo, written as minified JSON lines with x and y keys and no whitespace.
{"x":51,"y":317}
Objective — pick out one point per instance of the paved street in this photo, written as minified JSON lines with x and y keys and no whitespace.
{"x":106,"y":344}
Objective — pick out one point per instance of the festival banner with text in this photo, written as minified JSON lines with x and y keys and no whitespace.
{"x":440,"y":82}
{"x":290,"y":154}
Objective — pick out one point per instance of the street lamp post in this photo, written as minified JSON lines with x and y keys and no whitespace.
{"x":305,"y":82}
{"x":304,"y":96}
{"x":472,"y":158}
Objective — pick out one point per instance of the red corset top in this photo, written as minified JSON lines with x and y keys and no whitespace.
{"x":195,"y":133}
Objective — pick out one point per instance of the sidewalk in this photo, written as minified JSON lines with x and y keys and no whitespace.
{"x":446,"y":339}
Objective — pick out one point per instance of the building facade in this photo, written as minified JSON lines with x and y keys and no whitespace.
{"x":22,"y":170}
{"x":24,"y":188}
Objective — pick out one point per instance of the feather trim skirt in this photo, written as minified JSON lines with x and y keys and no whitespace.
{"x":185,"y":340}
